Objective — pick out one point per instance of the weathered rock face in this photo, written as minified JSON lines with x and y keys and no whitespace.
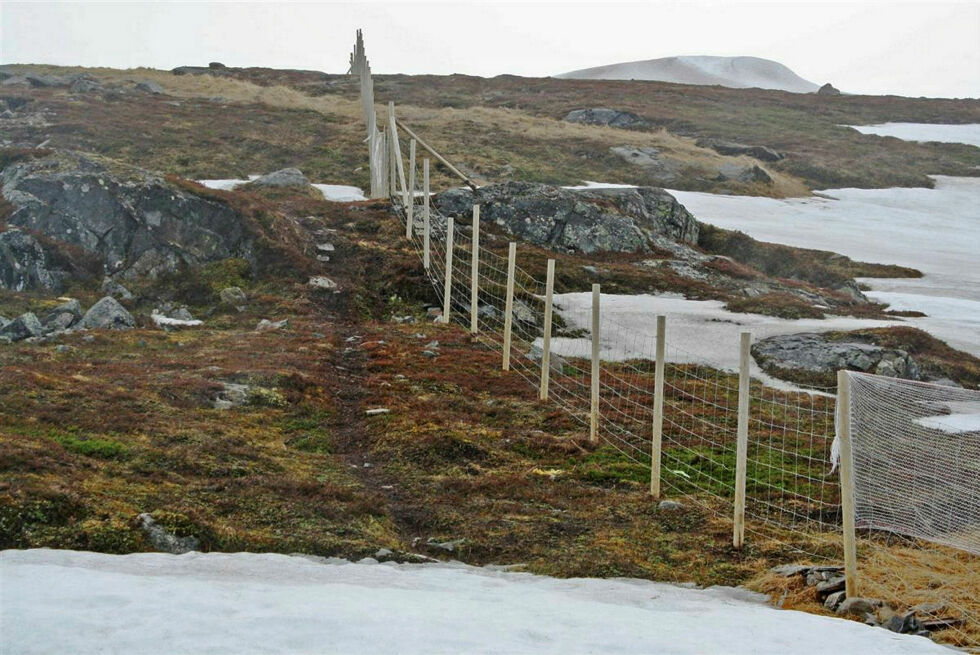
{"x":605,"y":116}
{"x":731,"y":149}
{"x":136,"y":222}
{"x":23,"y":263}
{"x":799,"y":357}
{"x":586,"y":221}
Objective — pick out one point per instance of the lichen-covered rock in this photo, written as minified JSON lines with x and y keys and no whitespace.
{"x":24,"y":264}
{"x":815,"y":357}
{"x":605,"y":116}
{"x":135,"y":222}
{"x":108,"y":314}
{"x":23,"y":327}
{"x":115,"y":289}
{"x":586,"y":221}
{"x":149,"y":86}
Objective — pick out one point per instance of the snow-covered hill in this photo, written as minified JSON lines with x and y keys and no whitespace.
{"x":57,"y":601}
{"x":735,"y":72}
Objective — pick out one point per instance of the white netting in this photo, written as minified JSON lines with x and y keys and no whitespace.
{"x":916,"y":452}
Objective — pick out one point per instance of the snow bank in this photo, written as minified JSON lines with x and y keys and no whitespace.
{"x":75,"y":602}
{"x":924,"y":132}
{"x":698,"y":331}
{"x":735,"y":72}
{"x":165,"y":321}
{"x":934,"y":230}
{"x":333,"y":192}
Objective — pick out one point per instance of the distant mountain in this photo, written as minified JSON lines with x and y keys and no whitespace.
{"x":735,"y":72}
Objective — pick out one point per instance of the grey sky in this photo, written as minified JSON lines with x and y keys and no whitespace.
{"x":906,"y":48}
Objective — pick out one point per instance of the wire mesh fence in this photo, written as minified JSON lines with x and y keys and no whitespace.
{"x":792,"y":488}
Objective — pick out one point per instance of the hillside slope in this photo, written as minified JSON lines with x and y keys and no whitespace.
{"x":733,"y":72}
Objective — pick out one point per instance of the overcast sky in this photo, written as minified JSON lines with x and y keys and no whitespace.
{"x":906,"y":48}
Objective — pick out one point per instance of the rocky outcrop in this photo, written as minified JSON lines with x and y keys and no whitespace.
{"x":732,"y":149}
{"x":23,"y":327}
{"x":606,"y":116}
{"x":816,"y":358}
{"x":134,"y":221}
{"x":741,"y":173}
{"x":24,"y":264}
{"x":586,"y":221}
{"x":63,"y":316}
{"x":828,"y":90}
{"x":651,"y":160}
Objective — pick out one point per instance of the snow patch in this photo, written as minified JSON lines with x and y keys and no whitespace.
{"x":332,"y":192}
{"x":76,"y":602}
{"x":925,"y":132}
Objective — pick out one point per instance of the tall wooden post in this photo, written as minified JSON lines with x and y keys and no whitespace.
{"x":742,"y":444}
{"x":847,"y":482}
{"x":475,"y":273}
{"x":549,"y":289}
{"x":447,"y":289}
{"x":396,"y":153}
{"x":390,"y":147}
{"x":509,"y":302}
{"x":410,"y":202}
{"x":594,"y":413}
{"x":658,"y":407}
{"x":425,"y":213}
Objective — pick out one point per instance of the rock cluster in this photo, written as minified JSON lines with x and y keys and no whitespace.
{"x":105,"y":314}
{"x":135,"y":222}
{"x":606,"y":116}
{"x":817,"y":354}
{"x":828,"y":582}
{"x":586,"y":221}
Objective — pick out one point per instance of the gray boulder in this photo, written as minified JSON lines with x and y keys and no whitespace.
{"x":63,"y":316}
{"x":162,"y":540}
{"x":606,"y":116}
{"x":135,"y":222}
{"x":742,"y":173}
{"x":24,"y":265}
{"x":810,"y":356}
{"x":22,"y":327}
{"x":148,"y":86}
{"x":108,"y":314}
{"x":287,"y":177}
{"x":828,"y":89}
{"x":84,"y":85}
{"x":15,"y":80}
{"x":732,"y":149}
{"x":586,"y":221}
{"x":44,"y":81}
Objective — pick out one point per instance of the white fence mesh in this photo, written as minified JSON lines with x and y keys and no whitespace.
{"x":916,"y":452}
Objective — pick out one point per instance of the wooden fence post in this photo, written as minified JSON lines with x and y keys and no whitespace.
{"x":397,"y":154}
{"x":549,"y":289}
{"x":425,"y":213}
{"x":658,"y":408}
{"x":392,"y":167}
{"x":742,"y":444}
{"x":594,"y":405}
{"x":843,"y":417}
{"x":410,"y":200}
{"x":475,"y":273}
{"x":509,"y":303}
{"x":447,"y":289}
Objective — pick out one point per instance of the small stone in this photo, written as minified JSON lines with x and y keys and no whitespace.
{"x":789,"y":570}
{"x":265,"y":325}
{"x":857,"y":606}
{"x":377,"y":411}
{"x":903,"y":624}
{"x":115,"y":289}
{"x":829,"y":586}
{"x":286,"y":177}
{"x":62,"y":348}
{"x":834,"y":600}
{"x":433,"y":312}
{"x":148,"y":86}
{"x":383,"y":553}
{"x":432,"y":345}
{"x":325,"y":247}
{"x":669,"y":505}
{"x":321,"y":282}
{"x":429,"y":354}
